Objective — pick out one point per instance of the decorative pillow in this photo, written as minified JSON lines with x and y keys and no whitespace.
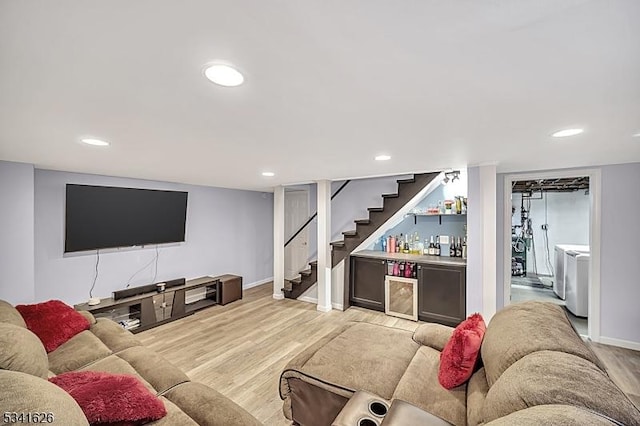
{"x":53,"y":322}
{"x":111,"y":398}
{"x":459,"y":356}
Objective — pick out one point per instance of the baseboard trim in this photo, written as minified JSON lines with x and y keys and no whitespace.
{"x":324,"y":308}
{"x":309,"y":299}
{"x":257,"y":283}
{"x":620,"y":343}
{"x":278,"y":296}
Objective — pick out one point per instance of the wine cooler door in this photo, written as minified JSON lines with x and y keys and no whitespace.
{"x":401,"y":297}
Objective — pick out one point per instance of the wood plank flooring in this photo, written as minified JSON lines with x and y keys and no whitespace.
{"x":240,"y":349}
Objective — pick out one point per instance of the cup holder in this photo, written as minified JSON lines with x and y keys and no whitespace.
{"x":367,"y":422}
{"x":378,"y":409}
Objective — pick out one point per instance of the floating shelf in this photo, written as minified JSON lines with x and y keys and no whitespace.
{"x":438,"y":215}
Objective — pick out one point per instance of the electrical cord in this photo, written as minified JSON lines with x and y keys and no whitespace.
{"x":155,"y":259}
{"x":155,"y":274}
{"x":95,"y":278}
{"x":546,"y":237}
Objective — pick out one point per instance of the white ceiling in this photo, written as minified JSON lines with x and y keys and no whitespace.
{"x":329,"y":85}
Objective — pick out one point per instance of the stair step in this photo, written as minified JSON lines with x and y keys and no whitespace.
{"x":410,"y":180}
{"x":362,"y":221}
{"x":353,"y":233}
{"x":314,"y":264}
{"x":306,"y":272}
{"x":339,"y":244}
{"x":296,"y":281}
{"x":376,"y":209}
{"x":389,"y":195}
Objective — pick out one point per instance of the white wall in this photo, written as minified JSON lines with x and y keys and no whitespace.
{"x":567,"y":214}
{"x":16,"y":232}
{"x":228,"y":231}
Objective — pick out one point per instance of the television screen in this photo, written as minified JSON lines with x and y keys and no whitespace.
{"x":99,"y":217}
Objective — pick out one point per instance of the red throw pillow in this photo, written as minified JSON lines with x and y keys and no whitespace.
{"x":53,"y":322}
{"x":111,"y":398}
{"x":459,"y":356}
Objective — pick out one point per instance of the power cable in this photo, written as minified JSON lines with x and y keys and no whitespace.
{"x":155,"y":259}
{"x":95,"y":277}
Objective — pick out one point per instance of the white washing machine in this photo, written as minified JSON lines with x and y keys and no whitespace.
{"x":576,"y":281}
{"x":560,"y":266}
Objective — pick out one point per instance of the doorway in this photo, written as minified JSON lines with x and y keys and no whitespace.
{"x":296,"y":208}
{"x":552,"y":243}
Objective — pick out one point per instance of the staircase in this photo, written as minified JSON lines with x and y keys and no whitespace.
{"x":407,"y":189}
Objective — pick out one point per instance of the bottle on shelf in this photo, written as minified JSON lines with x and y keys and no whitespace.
{"x":464,"y":248}
{"x":408,"y":270}
{"x":396,"y":269}
{"x":452,"y":247}
{"x":432,"y":247}
{"x":459,"y":248}
{"x":425,"y":248}
{"x":391,"y":247}
{"x":399,"y":243}
{"x":384,"y":244}
{"x":406,"y":244}
{"x":416,"y":244}
{"x":437,"y":253}
{"x":401,"y":271}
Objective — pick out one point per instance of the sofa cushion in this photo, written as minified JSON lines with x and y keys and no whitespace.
{"x":419,"y":386}
{"x":113,"y":335}
{"x":364,"y":357}
{"x":111,"y":398}
{"x":80,"y":350}
{"x":24,"y":393}
{"x":208,"y":407}
{"x":477,"y":389}
{"x":153,"y":367}
{"x":549,"y":377}
{"x":433,"y":335}
{"x":53,"y":322}
{"x":560,"y":415}
{"x":175,"y":416}
{"x":460,"y":354}
{"x":524,"y":328}
{"x":115,"y":365}
{"x":21,"y":350}
{"x":9,"y":314}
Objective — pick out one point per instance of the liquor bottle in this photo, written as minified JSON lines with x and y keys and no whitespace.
{"x":452,"y":247}
{"x":459,"y":248}
{"x":425,"y":249}
{"x":408,"y":270}
{"x":437,"y":245}
{"x":401,"y":272}
{"x":384,"y":243}
{"x":416,"y":243}
{"x":464,"y":248}
{"x":432,"y":247}
{"x":399,"y":243}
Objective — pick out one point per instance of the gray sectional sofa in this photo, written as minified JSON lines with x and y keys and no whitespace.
{"x":535,"y":369}
{"x":105,"y":347}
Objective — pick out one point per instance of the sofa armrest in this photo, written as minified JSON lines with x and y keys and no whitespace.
{"x":89,"y":316}
{"x":433,"y":335}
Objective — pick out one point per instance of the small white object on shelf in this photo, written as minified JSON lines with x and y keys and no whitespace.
{"x":93,"y":301}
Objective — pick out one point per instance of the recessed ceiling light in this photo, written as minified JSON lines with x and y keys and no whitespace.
{"x":268,"y":174}
{"x":224,"y":75}
{"x":383,"y":157}
{"x":94,"y":142}
{"x":567,"y":132}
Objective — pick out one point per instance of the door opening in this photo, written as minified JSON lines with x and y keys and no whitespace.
{"x":550,"y":220}
{"x":296,"y":208}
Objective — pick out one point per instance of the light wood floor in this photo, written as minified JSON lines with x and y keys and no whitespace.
{"x":240,"y":349}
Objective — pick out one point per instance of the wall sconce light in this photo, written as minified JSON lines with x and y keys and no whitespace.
{"x":451,"y":176}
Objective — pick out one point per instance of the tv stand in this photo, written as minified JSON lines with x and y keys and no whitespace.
{"x":152,"y":308}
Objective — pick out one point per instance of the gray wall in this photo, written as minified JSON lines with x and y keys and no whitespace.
{"x":228,"y":231}
{"x":16,"y":232}
{"x":620,"y":285}
{"x":474,"y":242}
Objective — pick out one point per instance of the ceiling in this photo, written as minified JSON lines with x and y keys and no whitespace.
{"x":329,"y":85}
{"x":550,"y":185}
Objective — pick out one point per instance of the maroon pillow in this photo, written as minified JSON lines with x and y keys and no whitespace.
{"x":53,"y":322}
{"x":111,"y":398}
{"x":459,"y":356}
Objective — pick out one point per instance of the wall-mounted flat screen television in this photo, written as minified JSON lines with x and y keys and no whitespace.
{"x":99,"y":217}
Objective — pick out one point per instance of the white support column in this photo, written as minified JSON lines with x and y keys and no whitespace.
{"x":324,"y":247}
{"x":278,"y":242}
{"x":489,"y":240}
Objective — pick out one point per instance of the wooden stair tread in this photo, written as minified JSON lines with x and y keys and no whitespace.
{"x":353,"y":233}
{"x":306,"y":272}
{"x":390,"y":195}
{"x":376,"y":209}
{"x":337,"y":244}
{"x":362,"y":221}
{"x":410,"y":180}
